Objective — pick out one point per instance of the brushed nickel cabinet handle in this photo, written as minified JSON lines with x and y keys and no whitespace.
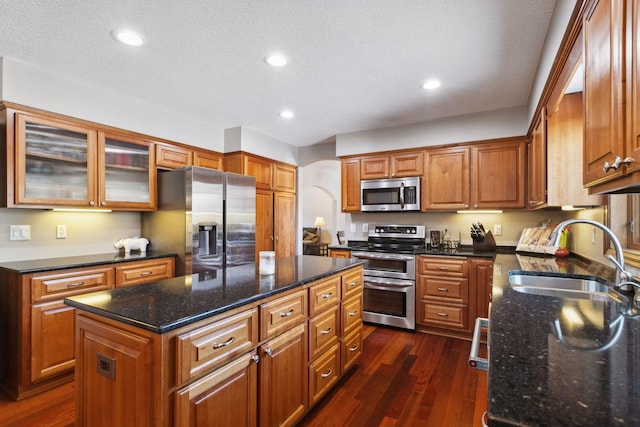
{"x":146,"y":273}
{"x":224,"y":344}
{"x":353,"y":313}
{"x":288,"y":313}
{"x":443,"y":315}
{"x":329,"y":295}
{"x":442,"y":267}
{"x":443,"y":289}
{"x":255,"y":358}
{"x":354,"y":348}
{"x":326,"y":374}
{"x":354,"y":283}
{"x":75,"y":285}
{"x":326,"y":331}
{"x":268,"y":351}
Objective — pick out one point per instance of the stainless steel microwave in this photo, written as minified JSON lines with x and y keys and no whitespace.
{"x":390,"y":195}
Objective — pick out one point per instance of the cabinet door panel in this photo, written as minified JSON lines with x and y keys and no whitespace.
{"x":603,"y":90}
{"x":264,"y":221}
{"x":374,"y":167}
{"x":127,"y":172}
{"x":284,"y":216}
{"x":446,"y":183}
{"x":498,"y":180}
{"x":407,"y":164}
{"x":172,"y":156}
{"x":350,"y":185}
{"x":55,"y":162}
{"x":52,"y":339}
{"x":225,"y":398}
{"x":284,"y":178}
{"x":284,"y":378}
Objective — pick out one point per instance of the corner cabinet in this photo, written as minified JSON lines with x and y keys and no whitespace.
{"x":63,"y":162}
{"x":39,"y":342}
{"x":612,"y":96}
{"x":265,"y":363}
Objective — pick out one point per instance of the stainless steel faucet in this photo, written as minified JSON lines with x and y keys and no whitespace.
{"x":623,"y":277}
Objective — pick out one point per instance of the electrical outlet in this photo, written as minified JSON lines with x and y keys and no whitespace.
{"x":61,"y":231}
{"x":19,"y":232}
{"x":593,"y":237}
{"x":352,"y":227}
{"x":365,"y":227}
{"x":497,"y":229}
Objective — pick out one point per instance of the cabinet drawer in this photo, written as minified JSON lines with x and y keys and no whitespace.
{"x":136,"y":273}
{"x":62,"y":283}
{"x":324,"y":295}
{"x":324,"y":373}
{"x":445,"y":315}
{"x":449,"y":266}
{"x":212,"y":345}
{"x":351,"y":314}
{"x":352,"y":283}
{"x":449,"y":289}
{"x":351,"y":349}
{"x":323,"y":332}
{"x":281,"y":314}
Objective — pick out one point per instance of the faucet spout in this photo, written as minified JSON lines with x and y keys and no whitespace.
{"x":622,"y":275}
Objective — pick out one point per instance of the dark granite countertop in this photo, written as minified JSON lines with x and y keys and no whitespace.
{"x":560,"y":361}
{"x":169,"y":304}
{"x":464,"y":250}
{"x":48,"y":264}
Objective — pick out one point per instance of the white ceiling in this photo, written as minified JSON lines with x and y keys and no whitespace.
{"x":354,"y":64}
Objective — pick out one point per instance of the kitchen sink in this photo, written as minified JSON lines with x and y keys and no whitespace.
{"x":565,"y":287}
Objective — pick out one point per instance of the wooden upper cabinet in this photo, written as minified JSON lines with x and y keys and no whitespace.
{"x":269,"y":174}
{"x":538,"y":163}
{"x":350,"y":185}
{"x":66,"y":162}
{"x":207,"y":159}
{"x":611,"y":96}
{"x":407,"y":164}
{"x":499,"y":175}
{"x":172,"y":156}
{"x":410,"y":163}
{"x":374,"y":167}
{"x":284,"y":177}
{"x":446,"y":184}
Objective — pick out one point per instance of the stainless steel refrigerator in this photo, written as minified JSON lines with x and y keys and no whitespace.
{"x":205,"y":216}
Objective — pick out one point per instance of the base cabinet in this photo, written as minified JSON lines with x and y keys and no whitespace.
{"x":266,"y":363}
{"x":230,"y":392}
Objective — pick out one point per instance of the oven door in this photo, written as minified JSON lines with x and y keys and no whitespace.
{"x":394,"y":266}
{"x":390,"y":302}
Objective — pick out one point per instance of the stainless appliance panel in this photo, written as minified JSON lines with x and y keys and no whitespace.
{"x":380,"y":264}
{"x":240,"y":219}
{"x":389,"y":302}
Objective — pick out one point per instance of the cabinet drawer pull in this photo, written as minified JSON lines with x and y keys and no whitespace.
{"x":443,"y":315}
{"x":442,"y":267}
{"x":146,"y":273}
{"x":326,"y":374}
{"x":326,"y":296}
{"x":354,"y":283}
{"x":224,"y":344}
{"x":443,"y":289}
{"x":268,"y":351}
{"x":255,"y":358}
{"x":353,"y":313}
{"x":288,"y":313}
{"x":75,"y":285}
{"x":326,"y":331}
{"x":354,"y":348}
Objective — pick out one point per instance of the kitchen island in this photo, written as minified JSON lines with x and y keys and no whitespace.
{"x":228,"y":344}
{"x":560,"y":361}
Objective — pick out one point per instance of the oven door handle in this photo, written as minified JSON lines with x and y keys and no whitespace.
{"x":376,"y":255}
{"x":386,"y":284}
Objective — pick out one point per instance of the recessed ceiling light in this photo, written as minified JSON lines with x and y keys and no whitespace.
{"x":276,"y":60}
{"x":431,"y":84}
{"x":128,"y":37}
{"x":286,"y":114}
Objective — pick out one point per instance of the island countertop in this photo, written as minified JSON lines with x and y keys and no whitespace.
{"x":560,"y":361}
{"x":169,"y":304}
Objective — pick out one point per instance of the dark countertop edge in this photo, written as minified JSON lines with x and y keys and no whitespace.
{"x":463,"y":251}
{"x":78,"y":261}
{"x":187,"y":321}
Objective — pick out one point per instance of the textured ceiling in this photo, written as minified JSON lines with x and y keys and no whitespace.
{"x":354,"y":64}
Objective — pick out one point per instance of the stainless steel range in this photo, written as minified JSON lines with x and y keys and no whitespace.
{"x":390,"y":274}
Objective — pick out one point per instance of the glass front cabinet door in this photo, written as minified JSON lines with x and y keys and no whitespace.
{"x":63,"y":164}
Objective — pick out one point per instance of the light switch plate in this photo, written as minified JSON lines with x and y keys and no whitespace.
{"x":497,"y":230}
{"x":19,"y":232}
{"x":61,"y":231}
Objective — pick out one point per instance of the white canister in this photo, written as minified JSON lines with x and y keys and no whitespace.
{"x":267,"y":262}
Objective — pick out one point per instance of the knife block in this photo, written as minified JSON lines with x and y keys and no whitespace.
{"x":487,"y":244}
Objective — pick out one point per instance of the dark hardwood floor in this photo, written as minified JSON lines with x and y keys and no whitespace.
{"x":403,"y":379}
